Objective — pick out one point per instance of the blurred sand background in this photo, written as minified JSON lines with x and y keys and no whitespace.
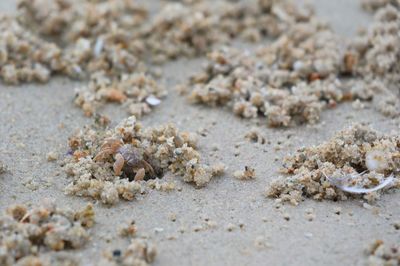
{"x":30,"y":126}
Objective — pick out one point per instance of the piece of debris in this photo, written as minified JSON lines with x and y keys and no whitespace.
{"x":343,"y":179}
{"x":128,"y":230}
{"x":261,"y":243}
{"x":152,"y":100}
{"x":310,"y":214}
{"x":3,"y":168}
{"x":52,"y":156}
{"x":230,"y":227}
{"x":396,"y":225}
{"x":172,"y":217}
{"x":338,"y":210}
{"x":286,"y":216}
{"x":255,"y":136}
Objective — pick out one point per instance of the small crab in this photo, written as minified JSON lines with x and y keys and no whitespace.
{"x":129,"y":160}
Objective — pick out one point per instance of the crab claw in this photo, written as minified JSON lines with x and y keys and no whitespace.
{"x":118,"y":164}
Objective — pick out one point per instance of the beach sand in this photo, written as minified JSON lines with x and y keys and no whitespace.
{"x":37,"y":119}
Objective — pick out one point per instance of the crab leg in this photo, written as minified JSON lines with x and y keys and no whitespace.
{"x":140,"y":174}
{"x":118,"y":164}
{"x":149,"y":168}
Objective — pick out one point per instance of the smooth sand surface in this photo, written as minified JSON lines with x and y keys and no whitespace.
{"x":30,"y":127}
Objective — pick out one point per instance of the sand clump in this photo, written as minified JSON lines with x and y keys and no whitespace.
{"x":109,"y":164}
{"x":94,"y":35}
{"x":24,"y":57}
{"x":60,"y":37}
{"x":306,"y":69}
{"x":374,"y":5}
{"x":138,"y":92}
{"x":139,"y":252}
{"x":255,"y":136}
{"x":32,"y":236}
{"x":288,"y":82}
{"x":357,"y":157}
{"x":113,"y":39}
{"x":99,"y":41}
{"x":376,"y":51}
{"x":381,"y":253}
{"x":118,"y":36}
{"x":247,"y":174}
{"x":193,"y":29}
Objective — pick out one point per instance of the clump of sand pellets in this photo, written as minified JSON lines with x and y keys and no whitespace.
{"x":251,"y":87}
{"x":356,"y":161}
{"x":373,"y":5}
{"x":181,"y":29}
{"x":138,"y":252}
{"x":59,"y":37}
{"x":116,"y":38}
{"x":380,"y":253}
{"x":289,"y":81}
{"x":293,"y":79}
{"x":138,"y":92}
{"x":309,"y":51}
{"x":30,"y":236}
{"x":109,"y":164}
{"x":24,"y":57}
{"x":378,"y":48}
{"x":117,"y":35}
{"x":95,"y":35}
{"x":375,"y":54}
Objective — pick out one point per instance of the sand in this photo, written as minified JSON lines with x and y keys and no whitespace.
{"x":37,"y":119}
